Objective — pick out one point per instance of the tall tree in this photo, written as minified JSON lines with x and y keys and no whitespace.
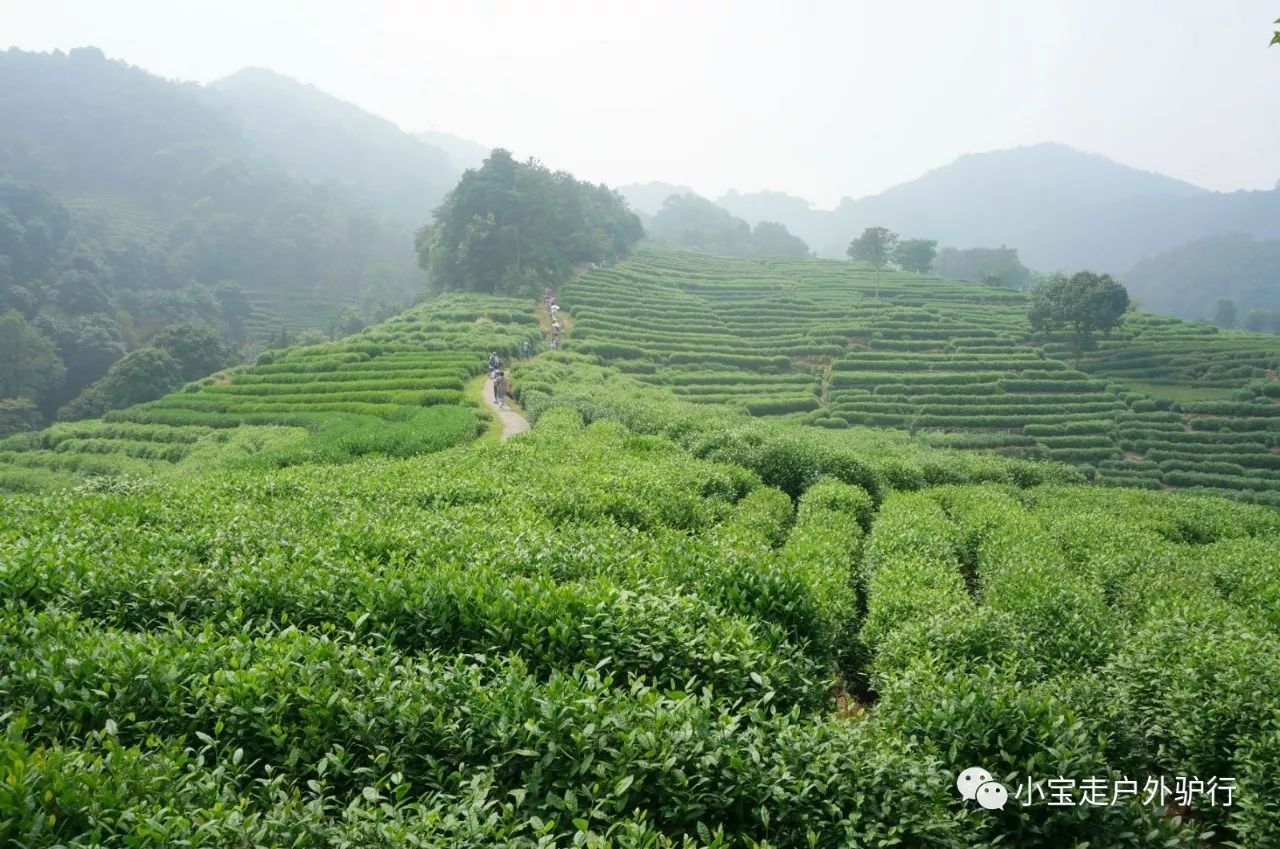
{"x":1084,"y":304}
{"x":875,"y":246}
{"x":1225,"y":313}
{"x":29,"y":363}
{"x":915,"y":255}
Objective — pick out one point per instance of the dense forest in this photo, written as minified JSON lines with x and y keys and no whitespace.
{"x":130,"y":205}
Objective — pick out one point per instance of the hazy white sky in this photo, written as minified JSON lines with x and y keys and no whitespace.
{"x":821,"y":99}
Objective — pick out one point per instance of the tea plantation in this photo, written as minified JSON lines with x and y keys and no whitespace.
{"x":1162,"y":403}
{"x":331,"y":618}
{"x":394,"y":389}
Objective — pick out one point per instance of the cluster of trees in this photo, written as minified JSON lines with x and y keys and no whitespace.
{"x":881,"y":247}
{"x":32,"y":371}
{"x":691,"y":221}
{"x":514,"y":227}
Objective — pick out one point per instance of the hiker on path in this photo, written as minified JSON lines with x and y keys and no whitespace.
{"x":493,"y":360}
{"x":527,"y":349}
{"x":555,"y":308}
{"x":500,"y":390}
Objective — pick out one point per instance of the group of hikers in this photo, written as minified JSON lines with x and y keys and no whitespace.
{"x":502,"y":383}
{"x":553,"y":310}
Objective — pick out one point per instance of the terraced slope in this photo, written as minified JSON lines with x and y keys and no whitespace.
{"x":395,"y":389}
{"x":952,"y":361}
{"x":599,"y":636}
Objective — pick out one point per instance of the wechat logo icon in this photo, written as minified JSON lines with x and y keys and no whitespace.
{"x":976,"y":785}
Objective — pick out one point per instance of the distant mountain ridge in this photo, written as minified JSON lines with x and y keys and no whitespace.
{"x":1059,"y":207}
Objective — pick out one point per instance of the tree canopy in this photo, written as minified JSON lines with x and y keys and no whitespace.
{"x":915,"y":255}
{"x":1083,"y":304}
{"x":993,"y":266}
{"x":514,"y":227}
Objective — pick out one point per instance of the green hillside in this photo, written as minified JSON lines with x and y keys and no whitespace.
{"x":1161,"y":403}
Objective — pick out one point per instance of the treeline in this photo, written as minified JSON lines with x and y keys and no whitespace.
{"x":515,"y":227}
{"x":691,"y":221}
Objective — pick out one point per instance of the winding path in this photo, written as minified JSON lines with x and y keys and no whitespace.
{"x":512,"y":422}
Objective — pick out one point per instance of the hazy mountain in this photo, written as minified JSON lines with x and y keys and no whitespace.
{"x":1059,"y":207}
{"x":766,"y":206}
{"x":647,"y":198}
{"x":320,"y":138}
{"x":463,"y":153}
{"x":131,"y":202}
{"x":1188,"y":280}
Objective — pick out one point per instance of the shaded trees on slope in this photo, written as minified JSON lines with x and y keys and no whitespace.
{"x":179,"y":354}
{"x":29,"y":363}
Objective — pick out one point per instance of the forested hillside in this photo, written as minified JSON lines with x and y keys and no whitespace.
{"x":1191,"y":280}
{"x":130,"y":204}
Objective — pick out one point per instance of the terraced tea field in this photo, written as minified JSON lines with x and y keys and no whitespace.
{"x":631,"y":636}
{"x":954,"y":362}
{"x":395,"y":389}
